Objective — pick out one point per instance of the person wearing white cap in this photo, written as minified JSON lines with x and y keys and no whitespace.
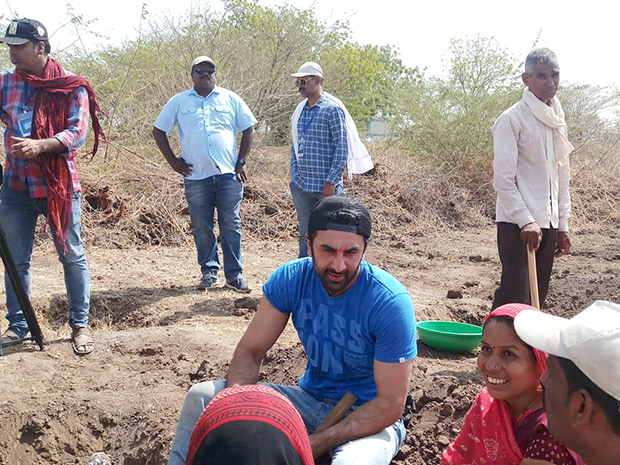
{"x":582,"y":382}
{"x":208,"y":118}
{"x":320,"y":148}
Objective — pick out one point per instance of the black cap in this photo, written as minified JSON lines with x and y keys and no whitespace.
{"x":24,"y":30}
{"x":340,"y":213}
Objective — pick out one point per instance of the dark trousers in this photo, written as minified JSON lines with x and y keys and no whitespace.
{"x":514,"y":286}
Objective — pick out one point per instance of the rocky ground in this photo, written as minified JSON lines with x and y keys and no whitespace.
{"x":156,"y":335}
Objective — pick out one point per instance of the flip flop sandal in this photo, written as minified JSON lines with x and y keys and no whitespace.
{"x":81,"y":339}
{"x":9,"y":336}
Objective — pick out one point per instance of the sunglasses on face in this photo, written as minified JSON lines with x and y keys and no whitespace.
{"x":303,"y":82}
{"x":199,"y":70}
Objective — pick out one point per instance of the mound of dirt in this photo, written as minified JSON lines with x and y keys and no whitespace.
{"x":156,"y":336}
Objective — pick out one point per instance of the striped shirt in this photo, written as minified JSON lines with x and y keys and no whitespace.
{"x":17,"y":107}
{"x":323,"y":147}
{"x":531,"y":186}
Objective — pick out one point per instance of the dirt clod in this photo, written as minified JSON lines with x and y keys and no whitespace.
{"x":155,"y":336}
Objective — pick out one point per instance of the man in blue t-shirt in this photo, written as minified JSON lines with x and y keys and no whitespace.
{"x":357,"y":325}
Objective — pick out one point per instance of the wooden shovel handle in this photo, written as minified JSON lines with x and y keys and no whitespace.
{"x":533,"y":277}
{"x":342,"y":407}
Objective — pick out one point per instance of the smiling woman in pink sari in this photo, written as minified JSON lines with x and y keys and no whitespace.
{"x":506,"y":424}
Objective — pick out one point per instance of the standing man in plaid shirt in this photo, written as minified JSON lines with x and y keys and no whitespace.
{"x":46,"y":112}
{"x":320,"y":149}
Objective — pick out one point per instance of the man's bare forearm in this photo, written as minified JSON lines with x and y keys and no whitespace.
{"x":244,"y":369}
{"x":247,"y":138}
{"x":25,"y":148}
{"x":163,"y":144}
{"x":264,"y":330}
{"x":367,"y":419}
{"x":52,"y":145}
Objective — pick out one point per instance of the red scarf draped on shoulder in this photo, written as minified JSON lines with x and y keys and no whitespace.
{"x":50,"y":113}
{"x":487,"y":435}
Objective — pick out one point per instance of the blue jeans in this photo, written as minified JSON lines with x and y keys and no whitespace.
{"x":378,"y":449}
{"x":304,"y":202}
{"x":18,"y":217}
{"x":223,"y":192}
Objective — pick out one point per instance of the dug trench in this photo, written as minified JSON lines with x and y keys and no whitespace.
{"x":156,"y":336}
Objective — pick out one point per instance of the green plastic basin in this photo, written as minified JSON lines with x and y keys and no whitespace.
{"x":450,"y":335}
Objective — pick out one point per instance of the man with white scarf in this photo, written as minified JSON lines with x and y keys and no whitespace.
{"x":325,"y":140}
{"x":531,"y":178}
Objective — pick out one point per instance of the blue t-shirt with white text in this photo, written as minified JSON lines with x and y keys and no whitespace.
{"x":344,"y":335}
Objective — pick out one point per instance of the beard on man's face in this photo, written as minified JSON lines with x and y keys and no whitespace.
{"x":334,"y":287}
{"x":342,"y":280}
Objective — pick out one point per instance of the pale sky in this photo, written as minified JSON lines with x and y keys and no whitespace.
{"x":582,"y":34}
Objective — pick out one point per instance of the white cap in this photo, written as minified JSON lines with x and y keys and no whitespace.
{"x":591,"y":340}
{"x":201,"y":59}
{"x":309,"y":69}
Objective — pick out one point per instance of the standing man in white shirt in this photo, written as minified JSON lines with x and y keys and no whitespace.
{"x":208,"y":118}
{"x":531,"y":178}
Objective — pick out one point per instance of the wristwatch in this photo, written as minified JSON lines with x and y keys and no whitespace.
{"x":241,"y":161}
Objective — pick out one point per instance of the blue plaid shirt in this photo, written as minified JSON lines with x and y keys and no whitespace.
{"x":325,"y":148}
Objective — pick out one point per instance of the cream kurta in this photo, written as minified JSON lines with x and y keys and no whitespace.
{"x":531,"y":186}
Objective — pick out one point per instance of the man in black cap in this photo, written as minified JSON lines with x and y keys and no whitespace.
{"x":40,"y":176}
{"x":357,"y":325}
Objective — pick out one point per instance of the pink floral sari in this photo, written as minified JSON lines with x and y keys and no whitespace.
{"x":487,"y":436}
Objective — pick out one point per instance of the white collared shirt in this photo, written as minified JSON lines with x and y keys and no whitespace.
{"x":531,"y":186}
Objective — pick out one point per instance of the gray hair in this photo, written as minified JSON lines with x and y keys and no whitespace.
{"x":539,"y":55}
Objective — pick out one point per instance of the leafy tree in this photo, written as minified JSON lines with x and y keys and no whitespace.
{"x":591,"y":113}
{"x":366,"y":78}
{"x":447,"y":121}
{"x":256,"y":48}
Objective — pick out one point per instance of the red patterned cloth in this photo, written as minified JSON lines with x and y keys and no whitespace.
{"x":488,"y":435}
{"x":543,"y":446}
{"x":50,"y":113}
{"x":254,"y":403}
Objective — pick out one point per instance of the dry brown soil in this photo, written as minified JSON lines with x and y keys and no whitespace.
{"x":156,"y":335}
